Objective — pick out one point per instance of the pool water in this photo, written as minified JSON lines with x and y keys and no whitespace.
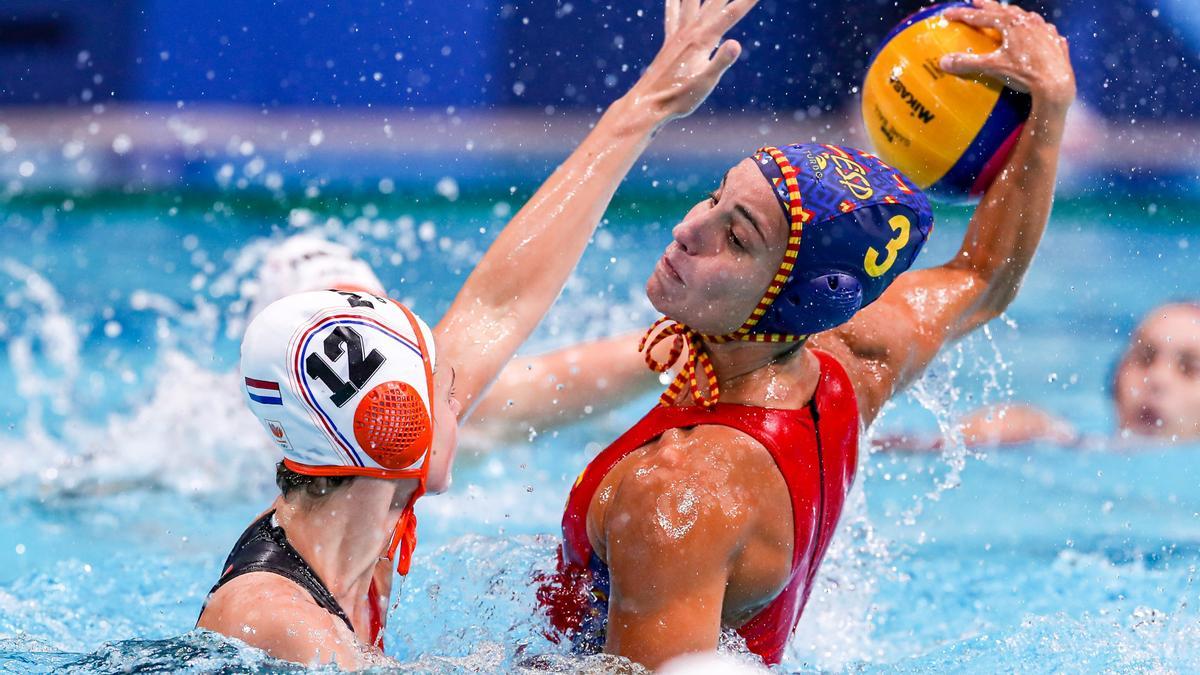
{"x":128,"y":466}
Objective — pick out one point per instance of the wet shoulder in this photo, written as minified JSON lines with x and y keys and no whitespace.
{"x":263,"y":609}
{"x":707,"y":482}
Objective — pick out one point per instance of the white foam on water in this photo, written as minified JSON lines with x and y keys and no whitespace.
{"x":191,"y":433}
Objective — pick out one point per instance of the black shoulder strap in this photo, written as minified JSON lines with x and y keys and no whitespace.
{"x":264,"y":547}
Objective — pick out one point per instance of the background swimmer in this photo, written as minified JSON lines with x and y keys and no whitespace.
{"x":1155,"y":392}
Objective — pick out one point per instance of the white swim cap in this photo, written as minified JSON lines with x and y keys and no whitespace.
{"x":343,"y":383}
{"x":307,"y":262}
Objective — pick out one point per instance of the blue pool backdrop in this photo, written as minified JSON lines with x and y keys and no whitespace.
{"x":1135,"y":58}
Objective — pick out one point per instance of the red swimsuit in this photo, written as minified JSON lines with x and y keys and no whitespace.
{"x":816,"y":450}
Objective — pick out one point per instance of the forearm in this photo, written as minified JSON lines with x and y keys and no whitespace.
{"x":1010,"y":220}
{"x":562,"y":386}
{"x":891,"y":342}
{"x":526,"y":267}
{"x":522,"y":273}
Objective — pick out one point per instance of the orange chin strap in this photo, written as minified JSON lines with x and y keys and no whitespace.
{"x":404,"y":535}
{"x":698,"y":358}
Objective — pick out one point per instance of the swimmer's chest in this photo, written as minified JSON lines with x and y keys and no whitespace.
{"x":764,"y":565}
{"x":663,"y":451}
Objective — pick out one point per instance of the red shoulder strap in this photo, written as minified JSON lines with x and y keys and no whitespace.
{"x":837,"y":427}
{"x":840,"y":423}
{"x":829,"y":456}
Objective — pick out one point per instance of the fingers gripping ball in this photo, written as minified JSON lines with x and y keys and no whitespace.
{"x":951,"y":135}
{"x":392,"y":426}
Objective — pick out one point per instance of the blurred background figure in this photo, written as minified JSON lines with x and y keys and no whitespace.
{"x":1155,"y":392}
{"x":1156,"y":389}
{"x":308,"y":262}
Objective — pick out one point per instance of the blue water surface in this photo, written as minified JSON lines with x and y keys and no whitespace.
{"x":127,"y":466}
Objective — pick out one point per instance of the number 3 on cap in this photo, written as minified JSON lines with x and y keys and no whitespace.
{"x":871,"y":263}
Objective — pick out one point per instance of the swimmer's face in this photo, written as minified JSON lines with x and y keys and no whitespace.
{"x":723,"y":256}
{"x":445,"y":431}
{"x":1157,"y":387}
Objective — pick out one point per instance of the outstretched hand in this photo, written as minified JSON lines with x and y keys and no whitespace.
{"x":692,"y":58}
{"x":1033,"y":57}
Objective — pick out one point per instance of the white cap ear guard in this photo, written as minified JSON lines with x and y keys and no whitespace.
{"x":343,"y":383}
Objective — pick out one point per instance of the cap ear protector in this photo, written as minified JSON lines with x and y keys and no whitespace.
{"x":392,"y":426}
{"x":837,"y":295}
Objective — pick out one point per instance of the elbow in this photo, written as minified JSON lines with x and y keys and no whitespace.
{"x":996,"y":301}
{"x":999,"y":283}
{"x":990,"y":293}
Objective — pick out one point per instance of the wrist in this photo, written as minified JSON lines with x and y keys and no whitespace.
{"x":1048,"y":118}
{"x":1053,"y":96}
{"x":634,"y":115}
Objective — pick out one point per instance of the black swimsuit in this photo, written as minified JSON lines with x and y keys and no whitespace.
{"x":264,"y":547}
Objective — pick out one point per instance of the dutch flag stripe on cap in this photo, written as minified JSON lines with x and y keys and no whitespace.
{"x":263,"y":391}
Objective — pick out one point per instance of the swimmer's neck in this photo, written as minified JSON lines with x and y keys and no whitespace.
{"x":343,"y":537}
{"x":765,"y":374}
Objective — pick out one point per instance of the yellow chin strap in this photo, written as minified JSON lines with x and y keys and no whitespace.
{"x":699,"y":360}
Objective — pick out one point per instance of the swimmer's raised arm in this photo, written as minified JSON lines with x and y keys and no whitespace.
{"x":524,"y":270}
{"x":925,"y":309}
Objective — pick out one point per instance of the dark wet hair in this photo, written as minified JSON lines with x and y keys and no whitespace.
{"x":313,"y":487}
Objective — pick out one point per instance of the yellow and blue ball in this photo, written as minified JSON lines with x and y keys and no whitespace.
{"x":951,"y":135}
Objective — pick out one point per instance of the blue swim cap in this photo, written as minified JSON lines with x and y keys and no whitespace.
{"x":856,"y":224}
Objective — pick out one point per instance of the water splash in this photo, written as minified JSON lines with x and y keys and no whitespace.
{"x":192,"y":433}
{"x":945,"y":392}
{"x":42,"y":345}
